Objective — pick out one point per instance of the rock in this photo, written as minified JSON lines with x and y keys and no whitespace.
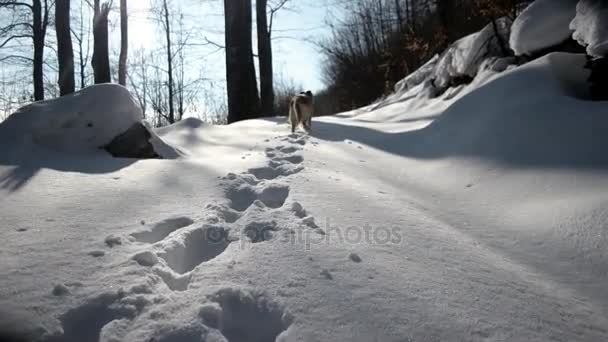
{"x":599,"y":85}
{"x":134,"y":143}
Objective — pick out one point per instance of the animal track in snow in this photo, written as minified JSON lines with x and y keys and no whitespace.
{"x":274,"y":195}
{"x":174,"y":283}
{"x":224,"y":212}
{"x":191,"y":333}
{"x":85,"y":322}
{"x":195,"y":247}
{"x":298,"y":210}
{"x":294,"y":159}
{"x":288,"y":149}
{"x":296,"y":139}
{"x":246,"y":317}
{"x":266,"y":172}
{"x":260,"y":231}
{"x":242,"y":196}
{"x":162,"y":229}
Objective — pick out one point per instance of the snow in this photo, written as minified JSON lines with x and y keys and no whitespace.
{"x":464,"y":57}
{"x":590,"y":26}
{"x":82,"y":122}
{"x":543,"y":24}
{"x":417,"y":77}
{"x":478,"y":215}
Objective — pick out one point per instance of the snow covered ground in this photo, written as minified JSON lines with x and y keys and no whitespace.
{"x":479,"y":215}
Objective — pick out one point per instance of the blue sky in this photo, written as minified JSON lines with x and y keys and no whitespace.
{"x":294,"y":57}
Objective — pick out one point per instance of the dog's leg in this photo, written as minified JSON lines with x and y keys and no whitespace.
{"x":292,"y":116}
{"x":295,"y":120}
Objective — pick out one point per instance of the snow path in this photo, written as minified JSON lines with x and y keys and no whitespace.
{"x":435,"y":284}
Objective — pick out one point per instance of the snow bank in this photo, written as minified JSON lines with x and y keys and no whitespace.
{"x":590,"y":26}
{"x":464,"y":57}
{"x":81,"y":122}
{"x":417,"y":77}
{"x":543,"y":24}
{"x":503,"y":121}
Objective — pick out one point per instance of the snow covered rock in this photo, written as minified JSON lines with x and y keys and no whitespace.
{"x":134,"y":143}
{"x":417,"y":77}
{"x":543,"y":24}
{"x":461,"y":61}
{"x":590,"y":26}
{"x":96,"y":117}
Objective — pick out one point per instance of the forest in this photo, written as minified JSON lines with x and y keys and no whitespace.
{"x":68,"y":45}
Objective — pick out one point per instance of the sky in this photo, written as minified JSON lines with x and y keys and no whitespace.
{"x":295,"y":57}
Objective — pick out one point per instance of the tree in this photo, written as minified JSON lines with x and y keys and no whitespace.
{"x":81,"y":34}
{"x":65,"y":52}
{"x":264,"y":30}
{"x":23,"y":28}
{"x":124,"y":43}
{"x":242,"y":89}
{"x":101,"y":50}
{"x":167,"y":27}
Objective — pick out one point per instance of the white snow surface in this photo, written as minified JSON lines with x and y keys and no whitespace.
{"x":590,"y":26}
{"x":479,"y":215}
{"x":543,"y":24}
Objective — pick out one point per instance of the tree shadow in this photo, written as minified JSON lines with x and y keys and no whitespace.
{"x":25,"y":168}
{"x":562,"y":136}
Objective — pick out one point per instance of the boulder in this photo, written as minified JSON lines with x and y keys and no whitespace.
{"x":133,"y":143}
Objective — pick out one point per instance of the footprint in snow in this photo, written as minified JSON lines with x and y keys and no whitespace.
{"x":242,"y":196}
{"x":86,"y":321}
{"x":194,"y":247}
{"x":162,"y":229}
{"x":243,"y":316}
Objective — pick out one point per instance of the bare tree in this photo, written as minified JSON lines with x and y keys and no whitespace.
{"x":242,"y":89}
{"x":139,"y":80}
{"x":65,"y":52}
{"x":22,"y":27}
{"x":124,"y":43}
{"x":81,"y":34}
{"x":167,"y":27}
{"x":101,"y":50}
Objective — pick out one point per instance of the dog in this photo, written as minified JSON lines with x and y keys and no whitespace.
{"x":301,"y":111}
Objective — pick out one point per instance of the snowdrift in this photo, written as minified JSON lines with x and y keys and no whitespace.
{"x":464,"y":57}
{"x":535,"y":114}
{"x":590,"y":26}
{"x":543,"y":24}
{"x":82,"y":122}
{"x":531,"y":115}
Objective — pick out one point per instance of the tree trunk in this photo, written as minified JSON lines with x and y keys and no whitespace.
{"x":243,"y":98}
{"x":65,"y":52}
{"x":124,"y":43}
{"x":399,"y":15}
{"x":101,"y":51}
{"x":444,"y":11}
{"x":38,"y":40}
{"x":265,"y":59}
{"x":169,"y":62}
